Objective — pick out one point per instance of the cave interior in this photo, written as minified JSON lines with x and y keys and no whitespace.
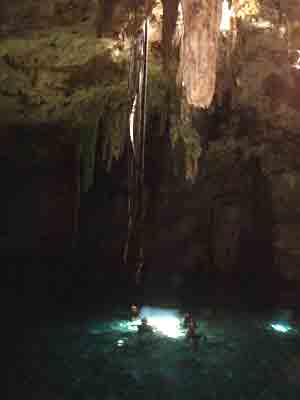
{"x":148,"y":156}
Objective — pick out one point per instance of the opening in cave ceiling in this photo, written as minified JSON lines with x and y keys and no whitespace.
{"x":227,"y":14}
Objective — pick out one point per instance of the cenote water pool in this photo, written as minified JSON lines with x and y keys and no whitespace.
{"x":240,"y":355}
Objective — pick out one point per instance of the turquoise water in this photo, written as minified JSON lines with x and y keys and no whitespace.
{"x":239,"y":356}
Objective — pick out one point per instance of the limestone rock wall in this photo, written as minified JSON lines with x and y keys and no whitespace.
{"x":241,"y":215}
{"x":56,"y":83}
{"x":62,"y":106}
{"x":259,"y":117}
{"x":17,"y":15}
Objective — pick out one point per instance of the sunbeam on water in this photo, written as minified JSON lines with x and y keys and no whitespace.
{"x":165,"y":322}
{"x":168,"y":326}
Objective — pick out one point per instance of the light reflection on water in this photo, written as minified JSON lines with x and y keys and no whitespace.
{"x":107,"y":353}
{"x":163,"y":322}
{"x":283,"y":328}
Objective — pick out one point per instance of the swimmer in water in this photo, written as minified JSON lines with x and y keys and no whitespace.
{"x":192,"y":335}
{"x":187,"y":319}
{"x":134,"y":312}
{"x":145,"y":327}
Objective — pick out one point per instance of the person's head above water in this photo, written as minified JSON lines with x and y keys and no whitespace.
{"x":144,"y":321}
{"x":144,"y":327}
{"x":187,"y":319}
{"x":134,"y":311}
{"x":188,"y":316}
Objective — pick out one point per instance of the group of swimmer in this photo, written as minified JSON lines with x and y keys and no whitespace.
{"x":188,"y":323}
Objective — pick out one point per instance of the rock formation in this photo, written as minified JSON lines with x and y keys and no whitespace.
{"x":63,"y":107}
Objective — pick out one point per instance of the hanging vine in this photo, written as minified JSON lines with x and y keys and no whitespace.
{"x":137,"y":87}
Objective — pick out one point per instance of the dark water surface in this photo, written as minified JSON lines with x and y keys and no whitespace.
{"x":240,"y":356}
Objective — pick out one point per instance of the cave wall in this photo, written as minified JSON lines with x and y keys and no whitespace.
{"x":40,"y":192}
{"x":240,"y":217}
{"x":56,"y":81}
{"x":63,"y":101}
{"x":63,"y":106}
{"x":263,"y":122}
{"x":243,"y":206}
{"x":17,"y":16}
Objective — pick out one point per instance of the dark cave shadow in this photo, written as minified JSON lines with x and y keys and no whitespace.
{"x":257,"y":276}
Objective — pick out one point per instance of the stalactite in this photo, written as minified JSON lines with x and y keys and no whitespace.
{"x":171,"y":34}
{"x":170,"y":14}
{"x":200,"y":46}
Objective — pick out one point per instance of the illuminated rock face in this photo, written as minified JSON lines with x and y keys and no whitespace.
{"x":201,"y":24}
